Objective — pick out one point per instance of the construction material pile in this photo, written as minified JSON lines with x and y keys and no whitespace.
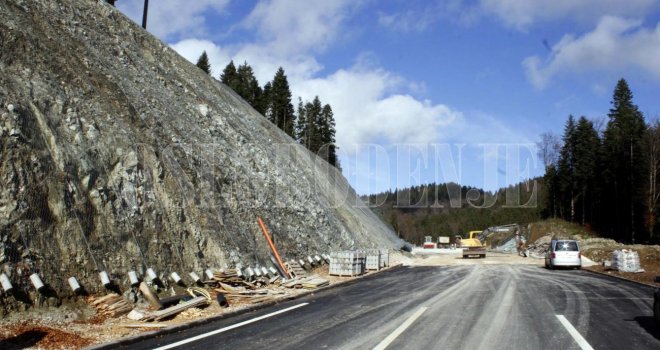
{"x":355,"y":263}
{"x":111,"y":305}
{"x":626,"y":261}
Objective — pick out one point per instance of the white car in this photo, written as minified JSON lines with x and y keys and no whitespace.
{"x":563,"y":253}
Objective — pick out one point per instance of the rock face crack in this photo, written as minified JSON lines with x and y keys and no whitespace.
{"x":119,"y":154}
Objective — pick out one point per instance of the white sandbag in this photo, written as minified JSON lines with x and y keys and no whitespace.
{"x":626,"y":261}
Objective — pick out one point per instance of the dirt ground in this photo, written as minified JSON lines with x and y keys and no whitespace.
{"x":649,"y":259}
{"x":71,"y":327}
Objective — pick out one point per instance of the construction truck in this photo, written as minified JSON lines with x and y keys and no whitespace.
{"x":472,"y":246}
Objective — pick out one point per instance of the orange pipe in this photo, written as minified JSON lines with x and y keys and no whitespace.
{"x":272,"y":247}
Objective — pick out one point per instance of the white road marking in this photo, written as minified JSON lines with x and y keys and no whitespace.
{"x":397,"y":332}
{"x":574,"y":333}
{"x":201,"y":336}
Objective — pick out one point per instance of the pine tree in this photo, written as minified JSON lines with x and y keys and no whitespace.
{"x":625,"y":166}
{"x":653,"y":190}
{"x":280,"y":110}
{"x":203,"y":63}
{"x":566,"y":172}
{"x":301,"y":123}
{"x":229,"y":76}
{"x":248,"y":86}
{"x":327,"y":134}
{"x":315,"y":129}
{"x":586,"y":161}
{"x":245,"y":84}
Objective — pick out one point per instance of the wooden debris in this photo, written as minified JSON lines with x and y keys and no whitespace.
{"x":151,"y":297}
{"x":145,"y":325}
{"x":173,"y":310}
{"x":112,"y":305}
{"x":310,"y":282}
{"x":295,"y":270}
{"x":230,"y":278}
{"x":316,"y":282}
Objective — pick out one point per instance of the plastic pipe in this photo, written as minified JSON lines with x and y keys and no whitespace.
{"x":209,"y":274}
{"x":36,"y":282}
{"x":105,"y":279}
{"x":73,"y":283}
{"x":175,"y":277}
{"x":133,"y":278}
{"x":257,"y":271}
{"x":264,"y":271}
{"x":272,"y":246}
{"x":273,"y":271}
{"x":6,"y":284}
{"x":194,"y":277}
{"x":152,"y":274}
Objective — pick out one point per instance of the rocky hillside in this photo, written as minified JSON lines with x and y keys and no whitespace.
{"x":117,"y":154}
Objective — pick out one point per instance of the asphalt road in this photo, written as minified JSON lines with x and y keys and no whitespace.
{"x":457,"y":307}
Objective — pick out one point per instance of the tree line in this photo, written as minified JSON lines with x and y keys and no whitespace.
{"x":313,"y":125}
{"x":448,"y":209}
{"x":605,"y":179}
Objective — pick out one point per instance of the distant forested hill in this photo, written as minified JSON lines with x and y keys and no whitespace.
{"x":449,"y":209}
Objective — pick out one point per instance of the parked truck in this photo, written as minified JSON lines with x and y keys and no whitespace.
{"x":472,"y":246}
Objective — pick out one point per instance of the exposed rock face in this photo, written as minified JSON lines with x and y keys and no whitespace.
{"x":118,"y":154}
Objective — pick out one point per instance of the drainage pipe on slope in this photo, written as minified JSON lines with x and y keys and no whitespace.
{"x":272,"y":247}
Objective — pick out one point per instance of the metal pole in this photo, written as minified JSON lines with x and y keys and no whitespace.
{"x":144,"y":14}
{"x":632,"y":204}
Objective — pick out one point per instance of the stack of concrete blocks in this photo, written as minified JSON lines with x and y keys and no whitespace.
{"x":347,"y":263}
{"x":384,"y":258}
{"x":373,"y":259}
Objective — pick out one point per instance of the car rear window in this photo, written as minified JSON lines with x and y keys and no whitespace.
{"x":566,"y":246}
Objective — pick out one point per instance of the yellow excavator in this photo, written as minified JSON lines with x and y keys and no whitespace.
{"x":472,"y":246}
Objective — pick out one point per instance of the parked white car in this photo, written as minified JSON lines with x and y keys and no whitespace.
{"x":563,"y":253}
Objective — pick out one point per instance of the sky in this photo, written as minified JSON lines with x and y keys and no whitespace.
{"x":432,"y":91}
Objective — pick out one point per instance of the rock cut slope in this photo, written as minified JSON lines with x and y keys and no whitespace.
{"x":118,"y":154}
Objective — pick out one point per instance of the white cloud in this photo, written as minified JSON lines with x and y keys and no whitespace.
{"x":519,"y":14}
{"x":173,"y":19}
{"x":295,"y":27}
{"x":191,"y":49}
{"x":408,"y":21}
{"x":367,"y":109}
{"x":614,"y":45}
{"x":523,"y":13}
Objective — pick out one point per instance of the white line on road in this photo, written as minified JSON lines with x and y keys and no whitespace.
{"x":201,"y":336}
{"x":390,"y":338}
{"x":574,"y":333}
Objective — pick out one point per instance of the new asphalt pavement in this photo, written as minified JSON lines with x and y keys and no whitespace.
{"x":451,"y":307}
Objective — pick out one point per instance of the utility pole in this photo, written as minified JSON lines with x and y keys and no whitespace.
{"x":144,"y":14}
{"x":632,"y":204}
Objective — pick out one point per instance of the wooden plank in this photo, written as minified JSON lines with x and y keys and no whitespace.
{"x":104,"y":299}
{"x":150,"y":296}
{"x":145,"y":325}
{"x":173,"y":310}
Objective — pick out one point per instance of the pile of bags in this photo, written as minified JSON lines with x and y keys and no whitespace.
{"x":626,"y":260}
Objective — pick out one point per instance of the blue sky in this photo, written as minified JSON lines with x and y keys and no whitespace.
{"x":432,"y":91}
